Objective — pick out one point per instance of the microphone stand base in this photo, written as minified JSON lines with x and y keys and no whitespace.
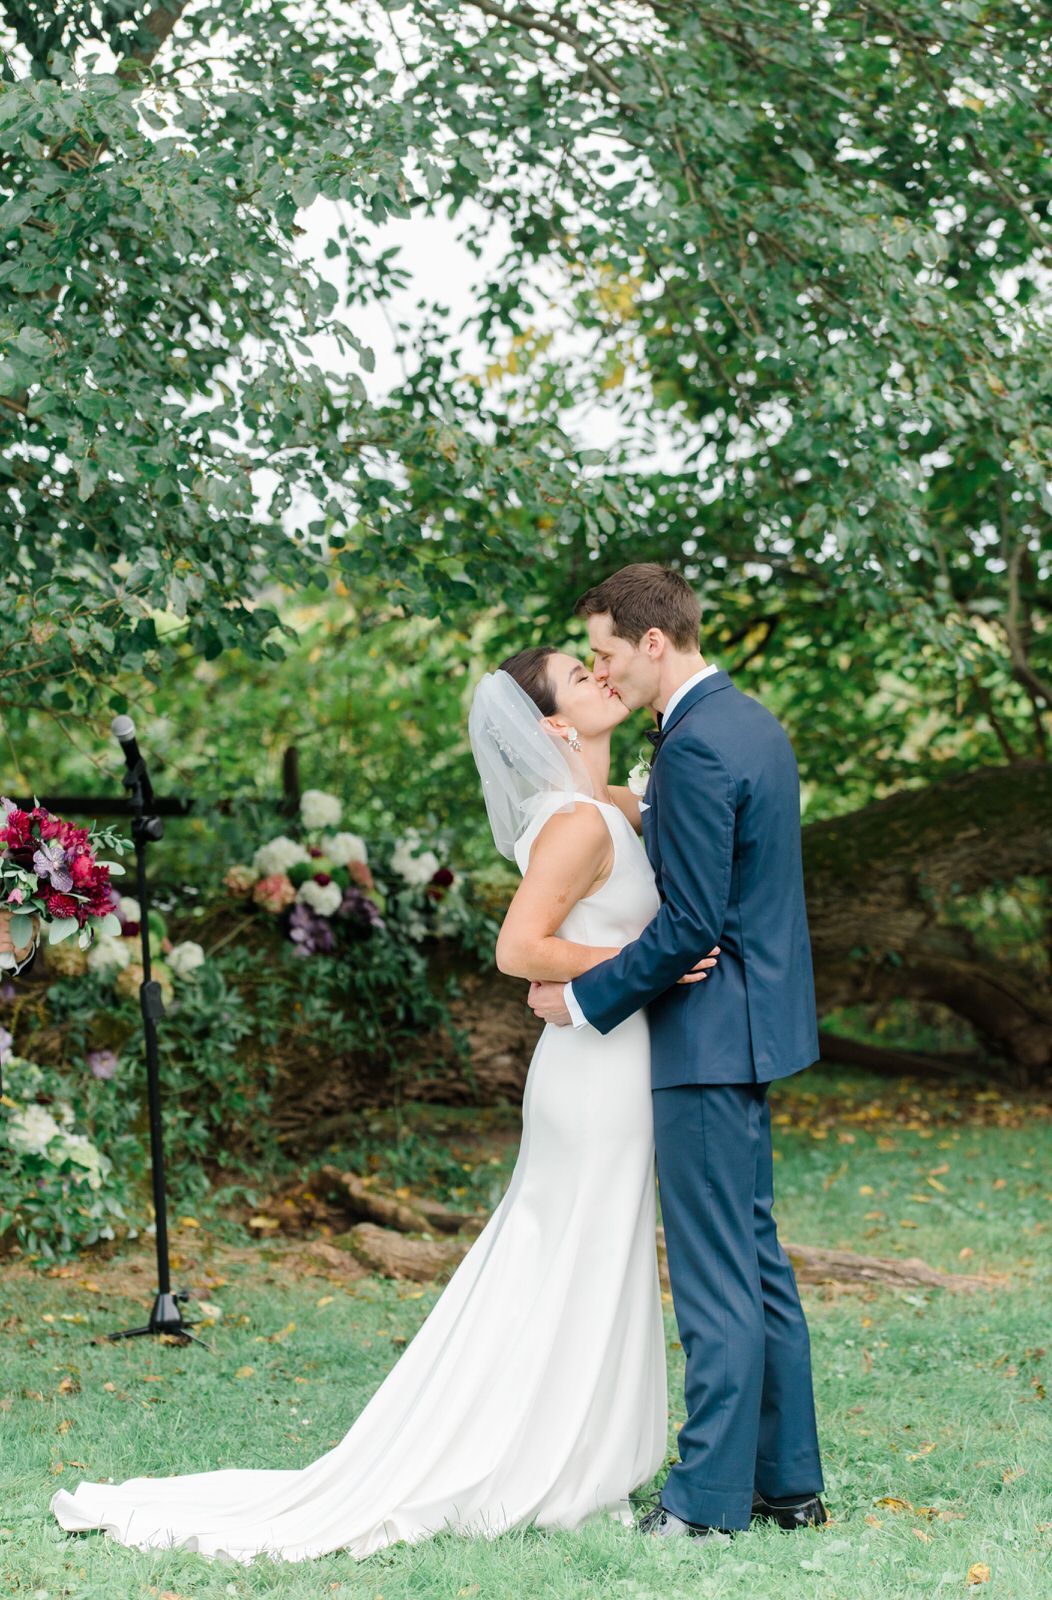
{"x":165,"y":1317}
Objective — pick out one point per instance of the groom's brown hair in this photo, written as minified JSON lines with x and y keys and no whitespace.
{"x":645,"y":596}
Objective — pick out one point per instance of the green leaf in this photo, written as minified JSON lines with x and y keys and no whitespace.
{"x":21,"y":930}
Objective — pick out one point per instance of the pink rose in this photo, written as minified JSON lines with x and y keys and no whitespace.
{"x":16,"y":897}
{"x":359,"y":873}
{"x":274,"y":893}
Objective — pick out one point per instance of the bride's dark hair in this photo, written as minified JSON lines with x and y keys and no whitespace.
{"x":529,"y":668}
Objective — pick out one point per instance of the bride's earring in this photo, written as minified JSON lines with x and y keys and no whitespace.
{"x":572,"y":739}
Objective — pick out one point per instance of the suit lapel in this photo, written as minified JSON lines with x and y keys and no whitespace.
{"x":710,"y":685}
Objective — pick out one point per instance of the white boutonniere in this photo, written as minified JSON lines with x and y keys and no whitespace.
{"x":639,"y":777}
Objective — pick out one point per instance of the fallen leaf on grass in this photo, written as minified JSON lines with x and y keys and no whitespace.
{"x":893,"y":1503}
{"x":244,"y":1372}
{"x":276,"y":1338}
{"x":921,"y":1533}
{"x":874,"y":1522}
{"x":65,"y":1425}
{"x":979,"y":1572}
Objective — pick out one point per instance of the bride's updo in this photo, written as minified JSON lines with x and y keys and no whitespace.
{"x":529,"y":668}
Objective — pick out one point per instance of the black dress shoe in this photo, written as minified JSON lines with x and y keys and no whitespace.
{"x":661,"y":1523}
{"x":808,"y":1513}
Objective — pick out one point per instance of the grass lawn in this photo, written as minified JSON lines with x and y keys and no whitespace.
{"x":933,"y":1416}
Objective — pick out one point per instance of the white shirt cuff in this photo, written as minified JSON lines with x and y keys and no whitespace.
{"x":577,"y":1016}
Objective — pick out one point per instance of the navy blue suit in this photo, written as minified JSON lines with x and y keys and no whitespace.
{"x":722,"y":831}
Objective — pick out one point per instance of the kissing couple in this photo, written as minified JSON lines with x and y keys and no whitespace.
{"x":675,"y":984}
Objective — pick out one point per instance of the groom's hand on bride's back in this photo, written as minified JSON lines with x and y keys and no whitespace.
{"x":701,"y":968}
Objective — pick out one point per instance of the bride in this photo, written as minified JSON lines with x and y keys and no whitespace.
{"x":535,"y":1391}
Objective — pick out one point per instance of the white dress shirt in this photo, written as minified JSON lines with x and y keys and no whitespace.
{"x":577,"y":1016}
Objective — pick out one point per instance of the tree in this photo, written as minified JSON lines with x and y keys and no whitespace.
{"x":161,"y":407}
{"x":797,"y":253}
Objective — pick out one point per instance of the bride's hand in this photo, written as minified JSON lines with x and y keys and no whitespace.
{"x":700,"y":969}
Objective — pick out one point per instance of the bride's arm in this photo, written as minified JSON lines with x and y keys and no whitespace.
{"x":571,"y":857}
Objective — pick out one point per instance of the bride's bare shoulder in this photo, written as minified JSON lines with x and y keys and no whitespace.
{"x":574,"y":834}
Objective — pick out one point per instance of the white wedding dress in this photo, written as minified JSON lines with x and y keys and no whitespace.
{"x":535,"y":1391}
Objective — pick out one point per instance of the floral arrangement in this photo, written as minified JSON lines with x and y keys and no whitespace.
{"x":323,"y":887}
{"x":56,"y":1192}
{"x":49,"y":870}
{"x":116,"y":955}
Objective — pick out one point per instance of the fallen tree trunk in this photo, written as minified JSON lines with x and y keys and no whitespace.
{"x":392,"y":1254}
{"x":895,"y":1063}
{"x":815,"y":1264}
{"x":882,"y":883}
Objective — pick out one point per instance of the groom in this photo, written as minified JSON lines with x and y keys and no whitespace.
{"x":721,"y":823}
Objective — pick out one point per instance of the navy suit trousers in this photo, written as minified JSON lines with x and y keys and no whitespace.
{"x":750,"y":1406}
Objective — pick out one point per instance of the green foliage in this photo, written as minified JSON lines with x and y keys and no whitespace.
{"x":162,"y":403}
{"x":797,"y":255}
{"x":59,"y":1192}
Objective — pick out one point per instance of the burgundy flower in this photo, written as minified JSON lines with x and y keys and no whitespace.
{"x":17,"y":830}
{"x":61,"y":905}
{"x":323,"y":878}
{"x":81,"y":870}
{"x":441,"y":881}
{"x":315,"y":850}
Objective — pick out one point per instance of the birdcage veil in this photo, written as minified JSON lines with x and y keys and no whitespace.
{"x":525,"y":767}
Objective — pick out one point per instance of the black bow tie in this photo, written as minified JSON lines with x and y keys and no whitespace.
{"x":654,"y":736}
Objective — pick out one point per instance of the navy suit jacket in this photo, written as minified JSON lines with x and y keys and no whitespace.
{"x":722,"y":831}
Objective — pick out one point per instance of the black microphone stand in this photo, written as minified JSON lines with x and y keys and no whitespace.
{"x":166,"y":1315}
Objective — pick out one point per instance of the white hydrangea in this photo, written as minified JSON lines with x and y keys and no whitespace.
{"x":32,"y":1130}
{"x":78,"y":1149}
{"x":128,"y":909}
{"x":324,"y":898}
{"x":319,"y":810}
{"x":109,"y":953}
{"x":185,"y":958}
{"x":411,"y":863}
{"x":343,"y":848}
{"x":278,"y":856}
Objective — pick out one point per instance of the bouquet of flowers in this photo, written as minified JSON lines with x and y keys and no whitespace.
{"x":320,"y":886}
{"x":49,"y":869}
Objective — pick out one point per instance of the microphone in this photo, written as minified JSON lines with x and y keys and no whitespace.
{"x":123,"y":730}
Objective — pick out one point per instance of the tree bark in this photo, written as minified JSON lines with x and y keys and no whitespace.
{"x":882,"y":886}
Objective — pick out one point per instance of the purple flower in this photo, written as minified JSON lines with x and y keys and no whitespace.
{"x":310,"y":933}
{"x":362,"y":913}
{"x":8,"y":990}
{"x":50,"y":862}
{"x":103,"y":1063}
